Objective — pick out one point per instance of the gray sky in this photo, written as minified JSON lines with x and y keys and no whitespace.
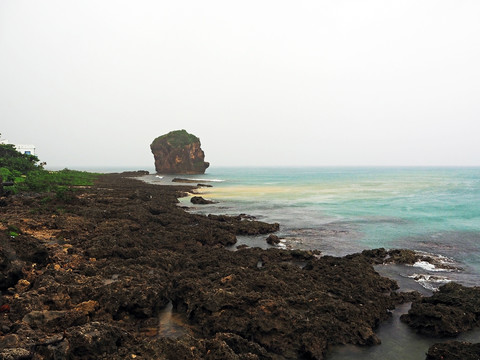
{"x":379,"y":82}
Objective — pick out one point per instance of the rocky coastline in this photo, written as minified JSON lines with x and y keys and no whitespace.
{"x":119,"y":271}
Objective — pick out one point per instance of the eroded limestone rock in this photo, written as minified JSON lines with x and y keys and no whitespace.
{"x":178,"y":152}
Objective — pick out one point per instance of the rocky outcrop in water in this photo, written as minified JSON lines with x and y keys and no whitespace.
{"x":448,"y":312}
{"x":178,"y":152}
{"x":273,"y":239}
{"x":198,"y":200}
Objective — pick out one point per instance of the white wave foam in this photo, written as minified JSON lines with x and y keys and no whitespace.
{"x":430,"y":282}
{"x":208,"y":180}
{"x":427,"y":266}
{"x":436,"y":262}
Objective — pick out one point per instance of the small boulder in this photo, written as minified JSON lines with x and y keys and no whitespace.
{"x":273,"y":239}
{"x":198,"y":200}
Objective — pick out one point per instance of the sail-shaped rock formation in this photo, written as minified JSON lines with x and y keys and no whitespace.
{"x":178,"y":152}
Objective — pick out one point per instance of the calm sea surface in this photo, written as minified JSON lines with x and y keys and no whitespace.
{"x":346,"y":210}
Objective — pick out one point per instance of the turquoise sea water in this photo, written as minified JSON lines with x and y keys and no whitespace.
{"x":346,"y":210}
{"x":340,"y":210}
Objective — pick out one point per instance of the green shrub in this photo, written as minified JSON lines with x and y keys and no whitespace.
{"x":23,"y":170}
{"x":60,"y":182}
{"x":10,"y":175}
{"x":13,"y":231}
{"x":177,"y":138}
{"x":64,"y":193}
{"x":14,"y":160}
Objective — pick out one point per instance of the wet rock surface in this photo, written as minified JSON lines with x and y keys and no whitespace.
{"x":451,"y":310}
{"x":403,"y":256}
{"x":91,"y":278}
{"x":243,"y":224}
{"x":454,"y":350}
{"x":198,"y":200}
{"x":185,"y":181}
{"x":272,"y":239}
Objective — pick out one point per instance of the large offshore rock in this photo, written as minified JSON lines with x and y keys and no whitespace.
{"x":178,"y":152}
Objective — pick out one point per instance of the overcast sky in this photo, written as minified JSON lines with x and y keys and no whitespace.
{"x":379,"y":82}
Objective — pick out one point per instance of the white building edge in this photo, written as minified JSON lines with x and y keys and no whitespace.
{"x":28,"y":149}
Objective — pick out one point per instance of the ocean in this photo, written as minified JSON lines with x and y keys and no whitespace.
{"x":345,"y":210}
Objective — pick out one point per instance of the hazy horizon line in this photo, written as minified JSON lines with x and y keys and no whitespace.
{"x":152,"y":167}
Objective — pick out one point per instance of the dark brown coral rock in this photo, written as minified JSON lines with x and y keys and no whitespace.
{"x":451,"y":310}
{"x":178,"y":152}
{"x":198,"y":200}
{"x":454,"y":350}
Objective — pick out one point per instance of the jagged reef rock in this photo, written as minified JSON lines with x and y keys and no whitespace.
{"x":454,"y":350}
{"x":451,"y":310}
{"x":198,"y":200}
{"x":178,"y":152}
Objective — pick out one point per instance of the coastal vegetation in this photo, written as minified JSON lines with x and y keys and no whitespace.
{"x":178,"y":138}
{"x":26,"y":173}
{"x":13,"y":164}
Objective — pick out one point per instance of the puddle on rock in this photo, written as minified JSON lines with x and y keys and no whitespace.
{"x":113,"y":279}
{"x":299,"y":263}
{"x":170,"y":324}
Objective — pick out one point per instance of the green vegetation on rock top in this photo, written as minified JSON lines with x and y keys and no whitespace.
{"x":177,"y":138}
